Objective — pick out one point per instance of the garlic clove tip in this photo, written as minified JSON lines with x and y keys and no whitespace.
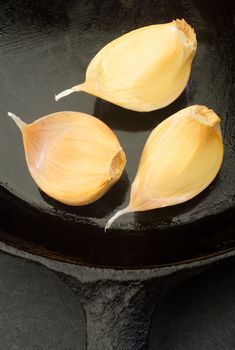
{"x":63,"y":94}
{"x":67,"y":92}
{"x":17,"y":120}
{"x":116,"y":216}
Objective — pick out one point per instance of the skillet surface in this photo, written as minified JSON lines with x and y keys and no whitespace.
{"x":45,"y":47}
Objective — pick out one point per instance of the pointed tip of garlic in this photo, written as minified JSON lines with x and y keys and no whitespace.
{"x":17,"y":120}
{"x":63,"y":94}
{"x":67,"y":92}
{"x":115,"y":216}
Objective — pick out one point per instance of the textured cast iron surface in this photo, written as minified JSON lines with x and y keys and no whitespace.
{"x":45,"y":47}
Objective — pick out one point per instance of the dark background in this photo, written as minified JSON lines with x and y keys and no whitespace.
{"x":39,"y":312}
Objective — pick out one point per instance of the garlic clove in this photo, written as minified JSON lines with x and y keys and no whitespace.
{"x":181,"y":157}
{"x":73,"y":157}
{"x":143,"y":70}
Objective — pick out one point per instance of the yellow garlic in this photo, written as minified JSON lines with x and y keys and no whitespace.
{"x":143,"y":70}
{"x":73,"y":157}
{"x":181,"y":158}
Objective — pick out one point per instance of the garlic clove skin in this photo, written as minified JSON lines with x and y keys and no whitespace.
{"x":143,"y":70}
{"x":181,"y":157}
{"x":73,"y":157}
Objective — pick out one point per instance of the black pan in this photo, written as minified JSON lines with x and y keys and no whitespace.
{"x":45,"y":48}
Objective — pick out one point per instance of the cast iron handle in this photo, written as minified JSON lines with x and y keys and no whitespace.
{"x":118,"y":314}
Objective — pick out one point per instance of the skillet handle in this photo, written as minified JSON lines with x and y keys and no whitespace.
{"x":118,"y":314}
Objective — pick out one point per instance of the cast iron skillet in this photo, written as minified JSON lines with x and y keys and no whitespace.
{"x":45,"y":47}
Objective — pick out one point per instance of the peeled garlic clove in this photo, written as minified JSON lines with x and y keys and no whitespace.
{"x":181,"y":158}
{"x":73,"y":157}
{"x":143,"y":70}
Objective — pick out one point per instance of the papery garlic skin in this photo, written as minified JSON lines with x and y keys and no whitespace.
{"x":143,"y":70}
{"x":73,"y":157}
{"x":181,"y":157}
